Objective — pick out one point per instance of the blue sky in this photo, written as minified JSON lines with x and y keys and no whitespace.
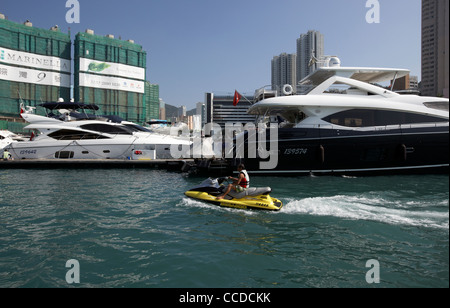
{"x":198,"y":46}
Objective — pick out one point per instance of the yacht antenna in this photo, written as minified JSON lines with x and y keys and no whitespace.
{"x":393,"y":81}
{"x":313,"y":59}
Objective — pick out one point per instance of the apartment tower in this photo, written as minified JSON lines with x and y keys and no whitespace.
{"x":435,"y":52}
{"x":310,"y":46}
{"x":284,"y":71}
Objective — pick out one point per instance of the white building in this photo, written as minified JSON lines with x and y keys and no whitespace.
{"x":182,"y":112}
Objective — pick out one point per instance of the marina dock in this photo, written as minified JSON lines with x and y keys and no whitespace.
{"x":208,"y":167}
{"x":167,"y":164}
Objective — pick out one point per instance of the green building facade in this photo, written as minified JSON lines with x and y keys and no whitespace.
{"x":111,"y":73}
{"x":152,"y":101}
{"x":35,"y":67}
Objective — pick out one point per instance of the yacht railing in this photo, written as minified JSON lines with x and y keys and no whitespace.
{"x":367,"y":128}
{"x":373,"y":128}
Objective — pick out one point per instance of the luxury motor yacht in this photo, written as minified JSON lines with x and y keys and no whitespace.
{"x":357,"y":128}
{"x":74,"y":135}
{"x":7,"y":137}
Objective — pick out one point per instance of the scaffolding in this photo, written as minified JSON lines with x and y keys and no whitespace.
{"x":29,"y":59}
{"x":115,"y":90}
{"x":152,"y":101}
{"x":123,"y":92}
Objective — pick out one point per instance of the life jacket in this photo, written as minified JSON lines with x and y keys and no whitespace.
{"x":245,"y":182}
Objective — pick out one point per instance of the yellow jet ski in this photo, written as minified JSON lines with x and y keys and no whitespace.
{"x":252,"y":198}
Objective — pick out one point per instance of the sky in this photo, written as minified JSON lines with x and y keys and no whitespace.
{"x":199,"y":46}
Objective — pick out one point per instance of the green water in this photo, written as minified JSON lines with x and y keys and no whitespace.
{"x":135,"y":228}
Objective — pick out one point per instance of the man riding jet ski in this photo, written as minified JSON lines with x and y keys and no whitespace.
{"x":212,"y":191}
{"x":240,"y":184}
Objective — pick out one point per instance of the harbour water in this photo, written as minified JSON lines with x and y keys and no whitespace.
{"x":135,"y":228}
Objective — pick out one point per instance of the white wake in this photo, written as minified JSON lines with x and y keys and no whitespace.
{"x":374,"y":209}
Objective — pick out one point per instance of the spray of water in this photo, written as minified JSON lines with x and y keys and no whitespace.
{"x":372,"y":209}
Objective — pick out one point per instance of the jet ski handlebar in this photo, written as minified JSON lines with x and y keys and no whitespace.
{"x":222,"y":179}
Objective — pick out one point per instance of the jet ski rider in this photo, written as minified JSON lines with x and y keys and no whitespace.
{"x":240,"y":184}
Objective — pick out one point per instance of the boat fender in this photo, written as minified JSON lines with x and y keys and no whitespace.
{"x":288,"y":90}
{"x":403,"y":152}
{"x":321,"y":154}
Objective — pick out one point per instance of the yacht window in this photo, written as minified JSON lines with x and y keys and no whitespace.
{"x":64,"y":154}
{"x":67,"y":134}
{"x":293,"y":116}
{"x":366,"y":118}
{"x":438,"y":105}
{"x":109,"y":129}
{"x":137,"y":128}
{"x":1,"y":137}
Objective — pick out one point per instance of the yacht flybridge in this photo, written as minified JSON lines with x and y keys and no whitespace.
{"x":76,"y":135}
{"x":343,"y":124}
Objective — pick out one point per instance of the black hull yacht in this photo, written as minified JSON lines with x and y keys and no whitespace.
{"x":394,"y":152}
{"x":361,"y":130}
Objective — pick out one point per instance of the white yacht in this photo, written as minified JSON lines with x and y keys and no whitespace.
{"x":7,"y":137}
{"x":73,"y":135}
{"x":359,"y":128}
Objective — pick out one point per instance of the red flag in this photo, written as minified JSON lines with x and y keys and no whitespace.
{"x":237,"y":98}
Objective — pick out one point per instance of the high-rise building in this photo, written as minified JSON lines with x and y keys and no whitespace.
{"x":182,"y":113}
{"x":35,"y":67}
{"x":310,"y":46}
{"x":435,"y":49}
{"x":201,"y":111}
{"x":284,"y":71}
{"x":162,"y":109}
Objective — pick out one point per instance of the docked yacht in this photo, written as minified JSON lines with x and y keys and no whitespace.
{"x":357,"y":128}
{"x":7,"y":137}
{"x":72,"y":135}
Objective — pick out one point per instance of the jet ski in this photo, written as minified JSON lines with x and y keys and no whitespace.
{"x":252,"y":198}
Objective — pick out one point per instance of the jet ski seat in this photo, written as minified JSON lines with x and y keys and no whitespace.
{"x":251,"y":192}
